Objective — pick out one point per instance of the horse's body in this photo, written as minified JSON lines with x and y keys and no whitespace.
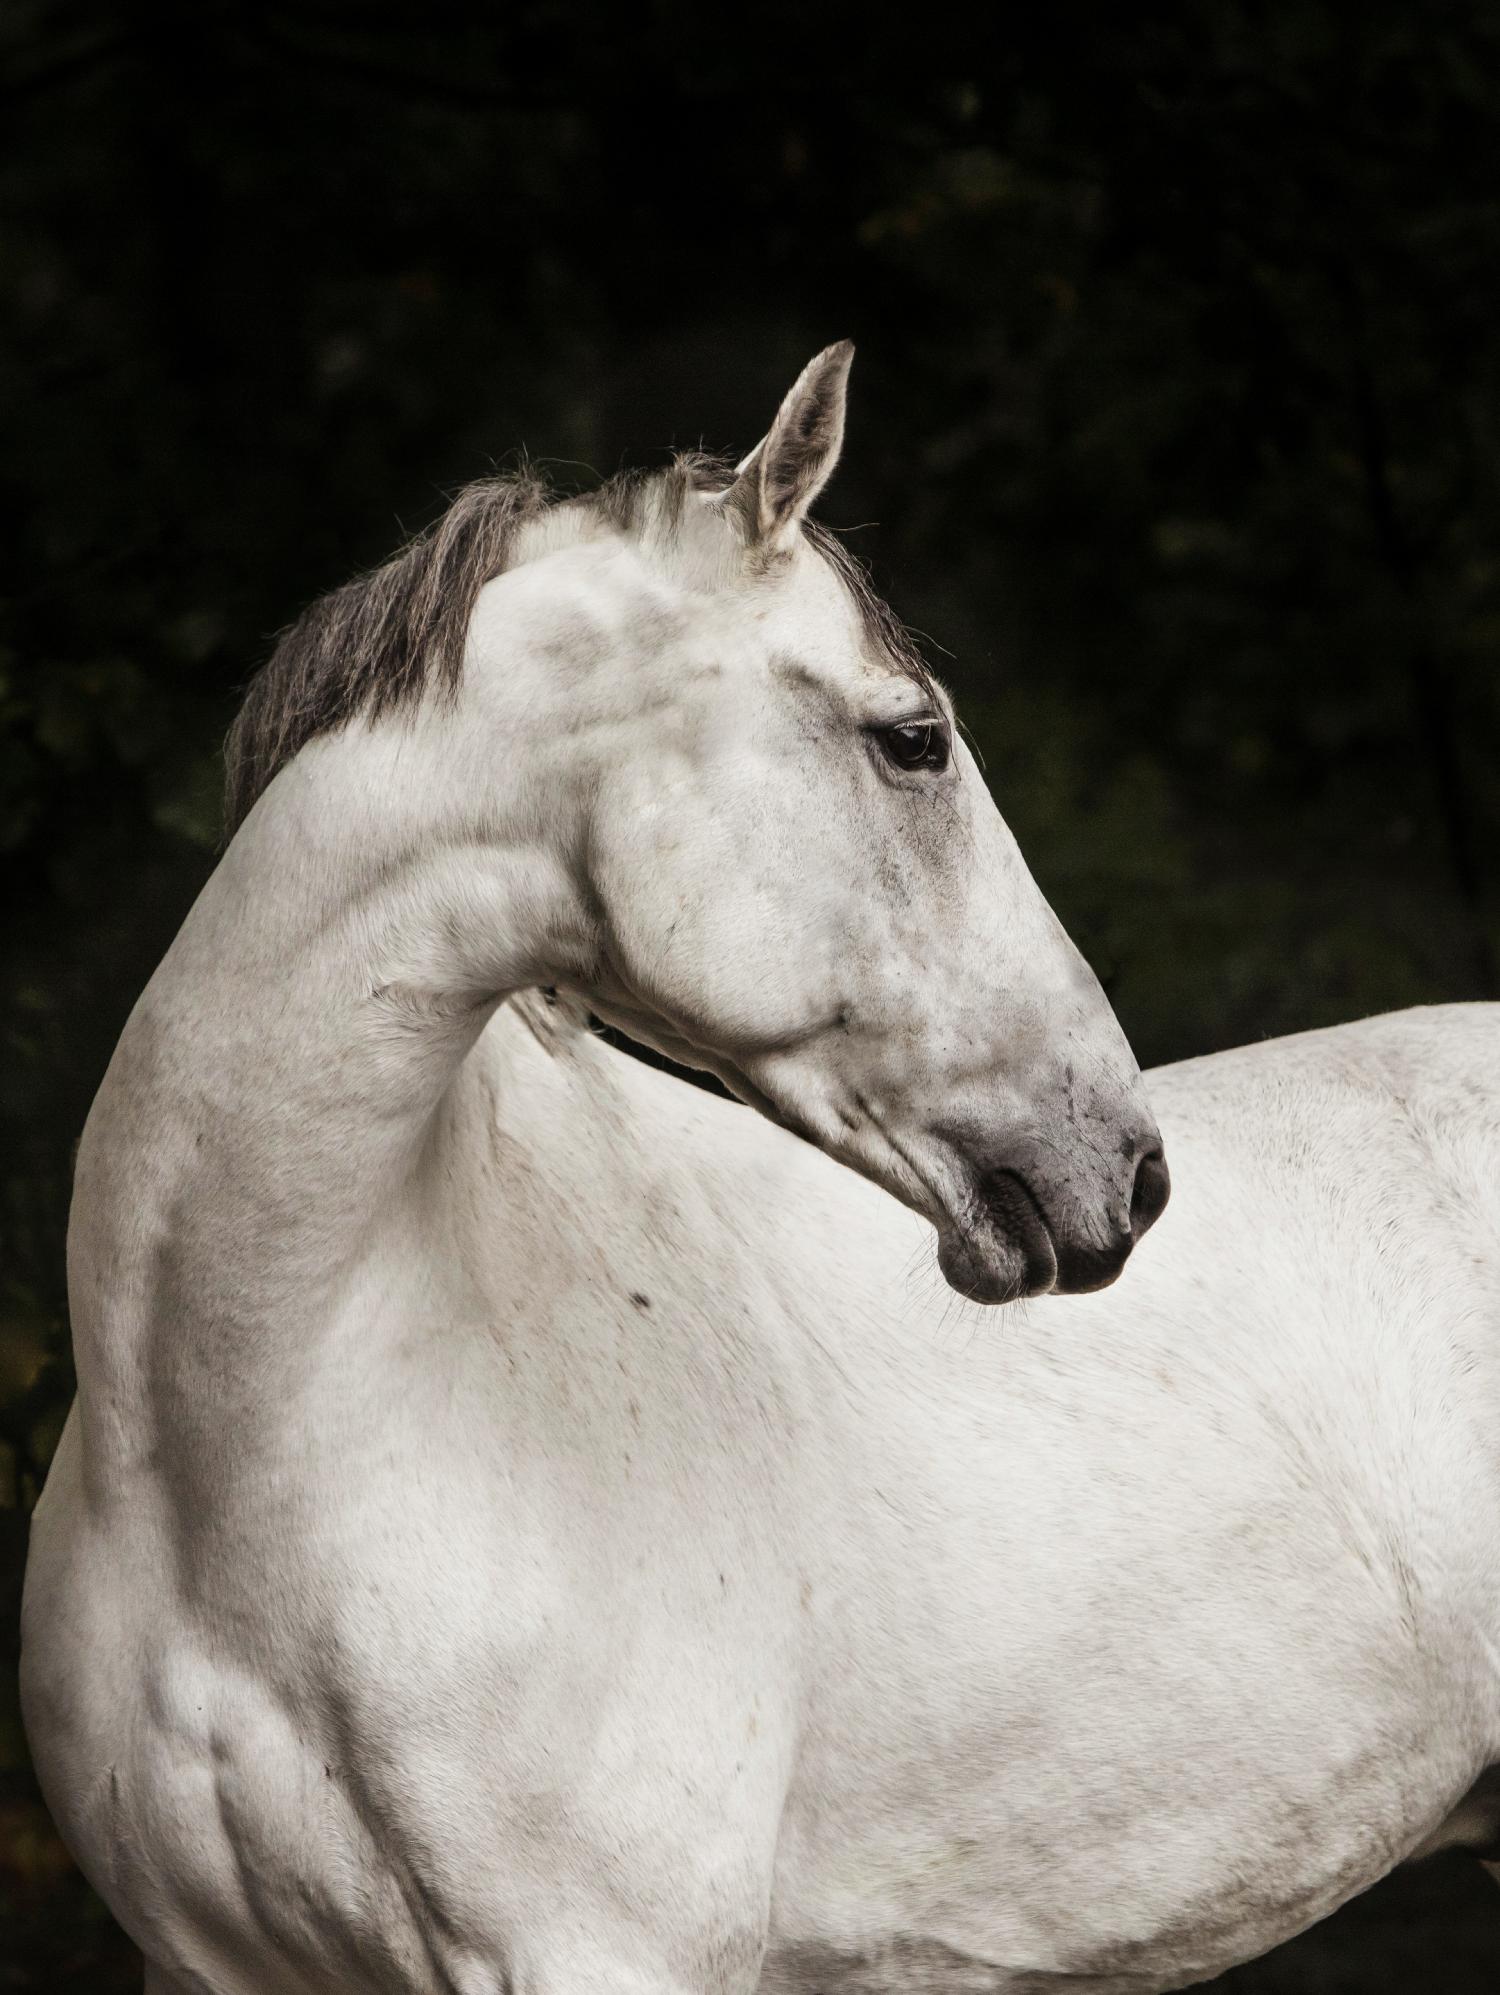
{"x":528,"y":1526}
{"x":650,"y":1564}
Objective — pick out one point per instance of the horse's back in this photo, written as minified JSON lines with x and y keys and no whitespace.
{"x":1440,"y":1060}
{"x":1387,"y":1130}
{"x":1344,"y":1186}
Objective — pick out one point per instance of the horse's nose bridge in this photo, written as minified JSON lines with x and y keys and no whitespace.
{"x":1053,"y":1060}
{"x":1090,"y":1136}
{"x":1068,"y":1055}
{"x":1046,"y":1000}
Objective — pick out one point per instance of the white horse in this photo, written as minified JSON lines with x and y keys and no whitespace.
{"x":528,"y":1525}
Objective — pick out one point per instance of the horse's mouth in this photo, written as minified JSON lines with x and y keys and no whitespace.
{"x":996,"y":1243}
{"x":1002,"y":1249}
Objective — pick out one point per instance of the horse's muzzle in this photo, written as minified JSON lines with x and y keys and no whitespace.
{"x":1025,"y":1236}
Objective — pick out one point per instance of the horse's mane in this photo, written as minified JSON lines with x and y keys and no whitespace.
{"x":382,"y":641}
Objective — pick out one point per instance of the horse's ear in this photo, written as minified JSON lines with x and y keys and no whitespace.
{"x":777,"y":483}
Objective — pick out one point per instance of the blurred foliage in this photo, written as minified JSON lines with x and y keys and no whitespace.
{"x":1176,"y":403}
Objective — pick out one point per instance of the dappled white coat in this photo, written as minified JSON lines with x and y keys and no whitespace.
{"x":655,"y":1580}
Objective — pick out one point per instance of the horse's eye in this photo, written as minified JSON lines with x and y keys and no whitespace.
{"x":916,"y":744}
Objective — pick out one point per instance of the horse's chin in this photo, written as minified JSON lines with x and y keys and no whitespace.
{"x":993,"y":1263}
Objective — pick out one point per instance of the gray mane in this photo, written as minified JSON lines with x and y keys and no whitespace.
{"x":382,"y":641}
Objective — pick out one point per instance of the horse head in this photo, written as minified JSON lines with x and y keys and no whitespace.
{"x":805,"y":887}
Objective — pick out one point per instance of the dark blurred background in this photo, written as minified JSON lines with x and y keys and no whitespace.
{"x":1174,"y":424}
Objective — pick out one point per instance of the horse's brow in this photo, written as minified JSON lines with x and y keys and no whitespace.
{"x":794,"y":671}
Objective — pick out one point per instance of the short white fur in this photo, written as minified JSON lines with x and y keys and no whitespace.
{"x":527,"y":1525}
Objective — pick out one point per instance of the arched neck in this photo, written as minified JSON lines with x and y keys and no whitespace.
{"x":276,"y":1082}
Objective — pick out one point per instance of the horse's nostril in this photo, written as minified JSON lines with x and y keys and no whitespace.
{"x":1153,"y":1187}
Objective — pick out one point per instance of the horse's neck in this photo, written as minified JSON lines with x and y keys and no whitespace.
{"x":273,"y":1091}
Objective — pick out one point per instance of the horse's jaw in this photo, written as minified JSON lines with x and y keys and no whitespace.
{"x":991,"y":1205}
